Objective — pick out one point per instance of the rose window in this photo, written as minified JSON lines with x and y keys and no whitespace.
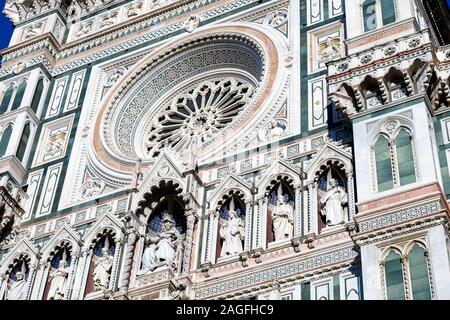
{"x":196,"y":116}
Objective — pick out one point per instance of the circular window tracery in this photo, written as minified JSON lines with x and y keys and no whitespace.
{"x":196,"y":116}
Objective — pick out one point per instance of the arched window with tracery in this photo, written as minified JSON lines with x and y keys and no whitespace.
{"x":19,"y":95}
{"x":369,"y":11}
{"x":383,"y":164}
{"x":394,"y":276}
{"x":419,"y":273}
{"x":23,"y":142}
{"x":407,"y":276}
{"x":393,"y":157}
{"x":378,"y":13}
{"x":37,"y":96}
{"x":4,"y":140}
{"x":6,"y":99}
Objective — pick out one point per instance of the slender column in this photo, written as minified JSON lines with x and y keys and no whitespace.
{"x":298,"y":212}
{"x":115,"y":266}
{"x":189,"y":240}
{"x":77,"y":292}
{"x":262,"y":234}
{"x":408,"y":295}
{"x":248,"y":225}
{"x":209,"y":249}
{"x":38,"y":292}
{"x":70,"y":276}
{"x":311,"y":207}
{"x":128,"y":262}
{"x":257,"y":223}
{"x":351,"y":196}
{"x":29,"y":281}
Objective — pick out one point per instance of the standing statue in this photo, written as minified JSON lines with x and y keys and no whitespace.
{"x":282,"y":218}
{"x":8,"y":216}
{"x":232,"y":232}
{"x":103,"y":267}
{"x":161,"y":249}
{"x":58,"y":280}
{"x":16,"y":290}
{"x":332,"y":203}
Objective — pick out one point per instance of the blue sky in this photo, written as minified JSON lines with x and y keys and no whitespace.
{"x":6,"y":27}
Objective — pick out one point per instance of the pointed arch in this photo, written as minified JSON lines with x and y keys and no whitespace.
{"x":6,"y":98}
{"x":383,"y":164}
{"x":4,"y":140}
{"x":19,"y":95}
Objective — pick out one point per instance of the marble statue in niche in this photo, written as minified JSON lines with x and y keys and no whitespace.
{"x":232,"y":232}
{"x":103,"y":267}
{"x":58,"y":279}
{"x":282,"y":217}
{"x":333,"y":202}
{"x":161,"y":248}
{"x":16,"y":290}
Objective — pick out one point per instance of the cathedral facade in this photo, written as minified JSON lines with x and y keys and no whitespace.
{"x":225,"y":149}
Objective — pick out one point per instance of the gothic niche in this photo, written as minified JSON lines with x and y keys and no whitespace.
{"x":398,"y":86}
{"x":332,"y":196}
{"x":14,"y":286}
{"x":60,"y":261}
{"x":231,"y":235}
{"x":372,"y":92}
{"x":280,"y":210}
{"x":101,"y":262}
{"x":166,"y":229}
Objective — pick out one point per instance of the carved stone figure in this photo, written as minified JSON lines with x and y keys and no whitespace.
{"x":91,"y":187}
{"x":33,"y":30}
{"x":16,"y":289}
{"x":84,"y":29}
{"x":282,"y":218}
{"x":134,"y":9}
{"x":329,"y":49}
{"x":7,"y":217}
{"x":161,"y":249}
{"x":58,"y":281}
{"x":332,"y":203}
{"x":55,"y":144}
{"x":108,"y":19}
{"x":192,"y":23}
{"x":102,"y":271}
{"x":232,"y":232}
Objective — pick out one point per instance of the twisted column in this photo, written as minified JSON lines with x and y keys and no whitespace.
{"x":128,"y":264}
{"x":187,"y":253}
